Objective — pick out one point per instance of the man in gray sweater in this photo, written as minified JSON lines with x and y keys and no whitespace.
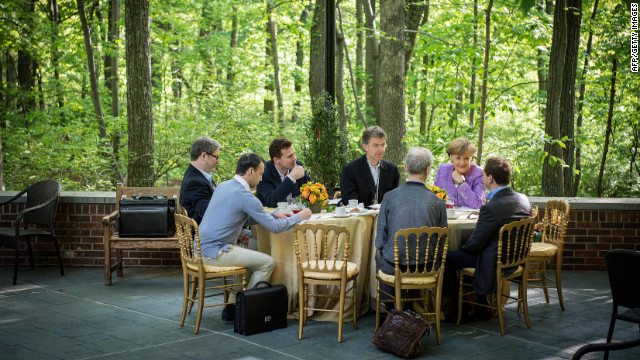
{"x":411,"y":205}
{"x":231,"y":207}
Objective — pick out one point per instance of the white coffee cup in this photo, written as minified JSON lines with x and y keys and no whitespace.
{"x":341,"y":211}
{"x":451,"y":213}
{"x":282,"y":206}
{"x":353,"y":203}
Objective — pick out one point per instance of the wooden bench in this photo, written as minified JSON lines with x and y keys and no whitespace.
{"x":112,"y":241}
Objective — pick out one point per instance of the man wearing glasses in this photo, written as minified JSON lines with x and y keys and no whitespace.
{"x":369,"y":177}
{"x":197,"y":184}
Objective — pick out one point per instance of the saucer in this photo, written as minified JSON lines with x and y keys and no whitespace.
{"x":341,"y":216}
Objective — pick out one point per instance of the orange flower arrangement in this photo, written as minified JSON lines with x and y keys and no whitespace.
{"x":441,"y":193}
{"x":314,"y":193}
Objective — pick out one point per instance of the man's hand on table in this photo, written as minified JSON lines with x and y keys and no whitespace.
{"x":304,"y":214}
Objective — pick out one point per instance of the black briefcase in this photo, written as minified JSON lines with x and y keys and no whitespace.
{"x":261,"y":309}
{"x":147,"y":216}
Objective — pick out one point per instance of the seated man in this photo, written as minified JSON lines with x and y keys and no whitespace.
{"x":231,"y":207}
{"x":369,"y":177}
{"x":481,"y":250}
{"x":411,"y":205}
{"x":197,"y":184}
{"x":283,"y":175}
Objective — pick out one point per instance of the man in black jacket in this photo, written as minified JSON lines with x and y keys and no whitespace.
{"x":369,"y":177}
{"x":283,"y":175}
{"x":481,"y":250}
{"x":197,"y":184}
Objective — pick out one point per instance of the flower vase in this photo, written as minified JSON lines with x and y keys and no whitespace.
{"x":315,"y":208}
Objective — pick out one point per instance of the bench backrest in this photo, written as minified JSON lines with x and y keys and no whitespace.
{"x":124,"y":192}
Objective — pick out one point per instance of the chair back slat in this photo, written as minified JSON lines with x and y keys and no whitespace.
{"x":125,"y":192}
{"x":623,"y":267}
{"x":428,"y":245}
{"x":321,"y":246}
{"x":556,"y":218}
{"x":40,"y":193}
{"x":514,"y":242}
{"x":189,"y":241}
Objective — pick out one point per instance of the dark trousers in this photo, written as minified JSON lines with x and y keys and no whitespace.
{"x":456,"y":260}
{"x":388,"y":267}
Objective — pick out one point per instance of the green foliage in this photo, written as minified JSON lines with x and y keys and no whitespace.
{"x":326,"y":150}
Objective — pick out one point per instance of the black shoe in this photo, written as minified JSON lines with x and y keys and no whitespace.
{"x":482,"y":313}
{"x":229,"y":313}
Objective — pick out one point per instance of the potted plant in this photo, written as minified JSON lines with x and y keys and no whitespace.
{"x":327,"y":149}
{"x":314,"y":195}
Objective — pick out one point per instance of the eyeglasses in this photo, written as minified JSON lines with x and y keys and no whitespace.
{"x":215,"y":156}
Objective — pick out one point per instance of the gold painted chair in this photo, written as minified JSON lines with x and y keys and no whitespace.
{"x":322,"y":252}
{"x":550,"y":249}
{"x":428,"y":278}
{"x":514,"y":245}
{"x":200,"y":276}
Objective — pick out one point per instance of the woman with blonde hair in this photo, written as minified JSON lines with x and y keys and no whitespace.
{"x":462,"y":179}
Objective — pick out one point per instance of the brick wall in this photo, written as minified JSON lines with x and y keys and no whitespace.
{"x":591,"y":233}
{"x":595,"y":227}
{"x":79,"y":231}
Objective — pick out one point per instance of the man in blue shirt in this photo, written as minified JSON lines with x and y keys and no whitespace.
{"x":231,"y":207}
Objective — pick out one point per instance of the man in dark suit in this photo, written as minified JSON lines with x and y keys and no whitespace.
{"x":283,"y":174}
{"x":481,"y":250}
{"x":197,"y":184}
{"x":369,"y":177}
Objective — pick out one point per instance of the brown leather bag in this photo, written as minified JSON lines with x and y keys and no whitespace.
{"x":401,"y":333}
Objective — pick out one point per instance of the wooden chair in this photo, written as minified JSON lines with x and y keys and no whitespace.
{"x":199,"y":275}
{"x":112,"y":240}
{"x":40,"y":210}
{"x":556,"y":217}
{"x":318,"y":250}
{"x":514,"y":245}
{"x":428,"y":278}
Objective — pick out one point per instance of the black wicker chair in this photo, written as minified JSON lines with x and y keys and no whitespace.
{"x":40,"y":210}
{"x":623,"y":267}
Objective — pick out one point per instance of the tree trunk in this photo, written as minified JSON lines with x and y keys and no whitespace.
{"x":111,"y":57}
{"x":568,"y":97}
{"x":298,"y":80}
{"x":275,"y":61}
{"x":54,"y":18}
{"x":576,"y":181}
{"x":392,"y":107}
{"x":413,"y":16}
{"x":93,"y":76}
{"x":485,"y":71}
{"x":542,"y":65}
{"x":351,"y":75}
{"x":552,"y":174}
{"x":139,"y":103}
{"x":612,"y":96}
{"x":472,"y":88}
{"x":317,"y":52}
{"x":359,"y":47}
{"x":233,"y":44}
{"x":372,"y":62}
{"x":340,"y":46}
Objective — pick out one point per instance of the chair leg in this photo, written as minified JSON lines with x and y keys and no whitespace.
{"x":119,"y":261}
{"x":543,"y":278}
{"x":15,"y":266}
{"x":499,"y":305}
{"x":559,"y":283}
{"x":200,"y":303}
{"x":377,"y":307}
{"x":55,"y":243}
{"x":301,"y":306}
{"x":522,"y":289}
{"x":343,"y":286}
{"x":194,"y":293}
{"x":610,"y":332}
{"x":461,"y":278}
{"x":185,"y":294}
{"x":437,"y":309}
{"x":28,"y":238}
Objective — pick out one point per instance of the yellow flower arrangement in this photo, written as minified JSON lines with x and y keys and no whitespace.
{"x":314,"y":193}
{"x":441,"y":193}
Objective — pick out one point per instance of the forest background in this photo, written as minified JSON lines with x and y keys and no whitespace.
{"x":104,"y":91}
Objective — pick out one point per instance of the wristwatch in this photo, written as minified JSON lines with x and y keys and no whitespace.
{"x":462,"y":181}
